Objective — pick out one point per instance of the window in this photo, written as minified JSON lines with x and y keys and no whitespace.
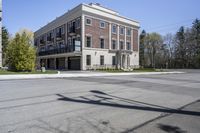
{"x":113,"y":60}
{"x":101,"y":42}
{"x":59,"y":32}
{"x":101,"y":60}
{"x":128,"y":32}
{"x":114,"y":29}
{"x":121,"y":30}
{"x":102,"y":24}
{"x":88,"y":41}
{"x":88,"y":60}
{"x":89,"y":21}
{"x":128,"y":46}
{"x":78,"y":23}
{"x":113,"y":44}
{"x":121,"y":44}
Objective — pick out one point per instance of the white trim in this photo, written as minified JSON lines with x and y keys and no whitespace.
{"x":128,"y":28}
{"x":90,"y":21}
{"x":93,"y":10}
{"x":122,"y":27}
{"x":113,"y":39}
{"x":100,"y":21}
{"x":83,"y":31}
{"x":97,"y":49}
{"x":113,"y":24}
{"x":88,"y":35}
{"x":125,"y":37}
{"x":101,"y":37}
{"x":131,"y":39}
{"x":110,"y":40}
{"x":118,"y":37}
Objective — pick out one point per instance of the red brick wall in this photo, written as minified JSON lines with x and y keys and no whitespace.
{"x":135,"y":40}
{"x":97,"y":32}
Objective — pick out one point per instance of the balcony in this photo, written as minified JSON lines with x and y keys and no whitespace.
{"x":72,"y":31}
{"x":42,"y":42}
{"x":65,"y":49}
{"x":53,"y":51}
{"x":58,"y":36}
{"x":50,"y":39}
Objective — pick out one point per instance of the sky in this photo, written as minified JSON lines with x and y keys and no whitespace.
{"x":162,"y":16}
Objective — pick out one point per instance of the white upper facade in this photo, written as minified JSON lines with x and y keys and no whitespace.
{"x":84,"y":9}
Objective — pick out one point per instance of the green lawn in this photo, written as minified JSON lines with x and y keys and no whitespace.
{"x":6,"y":72}
{"x":135,"y":70}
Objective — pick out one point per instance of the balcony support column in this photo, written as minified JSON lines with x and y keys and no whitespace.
{"x":55,"y":63}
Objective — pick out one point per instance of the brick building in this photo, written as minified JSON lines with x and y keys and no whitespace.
{"x":88,"y":37}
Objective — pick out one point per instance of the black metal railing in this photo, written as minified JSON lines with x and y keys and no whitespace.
{"x":65,"y":49}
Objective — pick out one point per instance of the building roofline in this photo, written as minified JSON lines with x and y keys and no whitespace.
{"x":110,"y":13}
{"x":87,"y":5}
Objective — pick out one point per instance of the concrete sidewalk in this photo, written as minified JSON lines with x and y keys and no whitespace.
{"x":88,"y":74}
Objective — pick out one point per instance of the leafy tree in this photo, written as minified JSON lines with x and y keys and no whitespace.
{"x":153,"y":42}
{"x":21,"y":55}
{"x":5,"y":41}
{"x":169,"y":42}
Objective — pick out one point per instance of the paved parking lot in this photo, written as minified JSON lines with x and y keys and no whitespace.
{"x":121,"y":104}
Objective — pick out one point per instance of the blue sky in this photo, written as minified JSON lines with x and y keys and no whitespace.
{"x":162,"y":16}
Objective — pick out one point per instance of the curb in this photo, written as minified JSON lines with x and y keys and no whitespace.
{"x":53,"y":76}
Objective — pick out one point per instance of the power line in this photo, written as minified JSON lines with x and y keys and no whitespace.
{"x":172,"y":24}
{"x":171,"y":28}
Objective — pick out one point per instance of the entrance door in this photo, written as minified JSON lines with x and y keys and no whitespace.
{"x":74,"y":63}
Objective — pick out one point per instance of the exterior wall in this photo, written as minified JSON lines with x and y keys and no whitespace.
{"x":96,"y":32}
{"x":134,"y":59}
{"x":95,"y":57}
{"x":135,"y":40}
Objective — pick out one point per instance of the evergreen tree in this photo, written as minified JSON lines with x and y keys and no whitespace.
{"x":180,"y":48}
{"x":5,"y":41}
{"x":142,"y":39}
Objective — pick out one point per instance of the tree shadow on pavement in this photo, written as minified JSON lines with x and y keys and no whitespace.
{"x":170,"y":128}
{"x":144,"y":107}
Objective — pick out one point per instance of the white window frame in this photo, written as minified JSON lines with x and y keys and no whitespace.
{"x":103,"y":42}
{"x":103,"y":60}
{"x":122,"y":30}
{"x":115,"y":28}
{"x":90,"y":41}
{"x":90,"y":21}
{"x":87,"y":60}
{"x":102,"y":22}
{"x":127,"y":31}
{"x":127,"y":45}
{"x":120,"y":44}
{"x":115,"y":43}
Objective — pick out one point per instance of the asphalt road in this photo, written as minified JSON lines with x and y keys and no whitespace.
{"x":116,"y":104}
